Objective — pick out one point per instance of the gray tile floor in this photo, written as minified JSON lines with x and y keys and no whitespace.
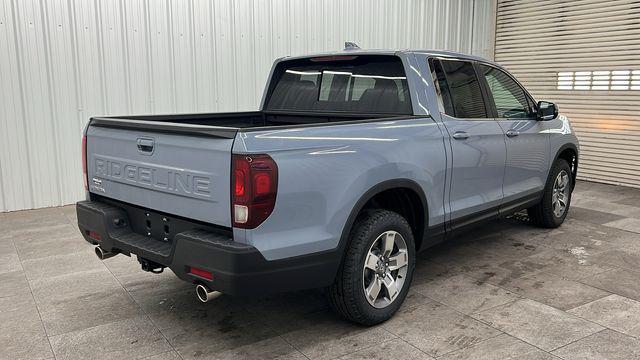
{"x":507,"y":290}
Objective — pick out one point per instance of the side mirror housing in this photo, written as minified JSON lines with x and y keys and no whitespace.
{"x":547,"y":111}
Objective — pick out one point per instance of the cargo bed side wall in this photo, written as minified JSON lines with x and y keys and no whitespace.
{"x":324,"y":170}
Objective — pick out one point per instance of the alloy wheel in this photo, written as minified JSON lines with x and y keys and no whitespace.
{"x":385,"y":269}
{"x":560,"y":195}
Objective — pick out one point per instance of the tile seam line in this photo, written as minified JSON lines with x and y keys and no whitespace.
{"x":465,"y":274}
{"x":493,"y":327}
{"x":591,"y":302}
{"x":142,"y":310}
{"x":288,"y":343}
{"x":620,"y":229}
{"x":615,"y":268}
{"x":464,"y":315}
{"x":366,"y":347}
{"x":272,"y":328}
{"x":521,"y":297}
{"x":46,"y":334}
{"x":413,"y":346}
{"x":564,"y":311}
{"x":584,"y":337}
{"x":500,"y":332}
{"x":539,"y":302}
{"x":144,"y":313}
{"x":518,"y":298}
{"x":506,"y":334}
{"x":166,"y":352}
{"x":605,"y":328}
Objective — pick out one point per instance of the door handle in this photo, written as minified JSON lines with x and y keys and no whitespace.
{"x":460,"y":135}
{"x":512,"y":133}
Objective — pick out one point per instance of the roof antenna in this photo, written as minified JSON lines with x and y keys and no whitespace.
{"x":349,"y":45}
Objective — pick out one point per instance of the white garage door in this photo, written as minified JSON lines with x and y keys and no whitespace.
{"x":585,"y":56}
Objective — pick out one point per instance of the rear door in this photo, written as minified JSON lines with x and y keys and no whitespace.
{"x":476,"y":140}
{"x":171,"y":172}
{"x":527,"y":139}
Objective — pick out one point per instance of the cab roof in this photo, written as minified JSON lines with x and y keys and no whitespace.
{"x":438,"y":53}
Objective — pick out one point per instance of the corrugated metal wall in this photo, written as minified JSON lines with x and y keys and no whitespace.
{"x":585,"y":56}
{"x":62,"y":61}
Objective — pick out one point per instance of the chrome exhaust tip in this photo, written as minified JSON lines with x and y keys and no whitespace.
{"x":205,"y":294}
{"x":103,"y":254}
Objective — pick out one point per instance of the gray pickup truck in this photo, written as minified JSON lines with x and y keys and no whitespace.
{"x":355,"y":161}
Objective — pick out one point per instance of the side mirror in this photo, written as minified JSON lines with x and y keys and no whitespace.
{"x":547,"y":111}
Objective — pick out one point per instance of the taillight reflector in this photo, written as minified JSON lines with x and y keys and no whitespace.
{"x":254,"y":188}
{"x":263,"y":184}
{"x":202,"y":273}
{"x":95,"y":236}
{"x":84,"y":163}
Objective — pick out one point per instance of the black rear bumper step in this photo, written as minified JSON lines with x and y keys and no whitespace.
{"x":238,"y":269}
{"x":145,"y":244}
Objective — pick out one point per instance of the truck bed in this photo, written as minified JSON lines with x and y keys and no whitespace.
{"x":231,"y":121}
{"x":179,"y":164}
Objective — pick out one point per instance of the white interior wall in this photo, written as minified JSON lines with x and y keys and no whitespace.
{"x":63,"y":61}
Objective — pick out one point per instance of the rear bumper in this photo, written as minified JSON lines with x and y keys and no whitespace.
{"x":238,"y":269}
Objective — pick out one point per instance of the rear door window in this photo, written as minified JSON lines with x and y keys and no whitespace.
{"x":459,"y":89}
{"x":356,"y":84}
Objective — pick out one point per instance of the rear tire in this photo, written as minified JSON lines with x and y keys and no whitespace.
{"x":556,"y":199}
{"x":379,"y":260}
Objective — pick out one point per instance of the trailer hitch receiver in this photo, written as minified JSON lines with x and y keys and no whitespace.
{"x":150,"y":266}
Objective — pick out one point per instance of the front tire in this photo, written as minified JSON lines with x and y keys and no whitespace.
{"x":556,"y":199}
{"x":376,"y":273}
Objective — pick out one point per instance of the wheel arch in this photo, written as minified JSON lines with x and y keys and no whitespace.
{"x":568,"y":152}
{"x":418,"y":223}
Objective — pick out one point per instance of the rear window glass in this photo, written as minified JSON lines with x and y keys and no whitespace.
{"x":356,"y":84}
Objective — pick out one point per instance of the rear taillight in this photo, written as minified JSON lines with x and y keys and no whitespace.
{"x":254,"y":185}
{"x":84,"y":162}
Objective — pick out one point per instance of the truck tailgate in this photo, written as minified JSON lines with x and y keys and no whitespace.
{"x":172,"y":172}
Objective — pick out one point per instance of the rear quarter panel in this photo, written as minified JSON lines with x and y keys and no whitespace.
{"x":324,"y":170}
